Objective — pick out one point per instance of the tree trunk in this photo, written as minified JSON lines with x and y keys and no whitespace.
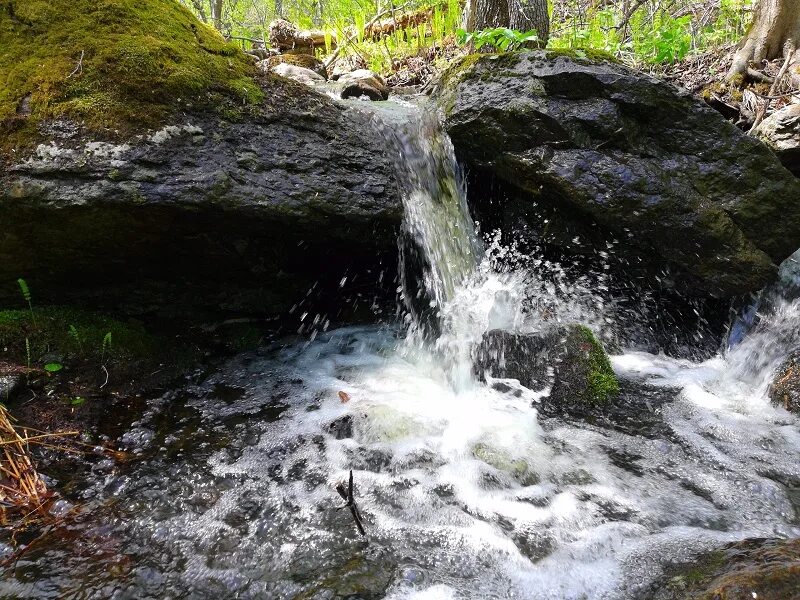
{"x":216,"y":14}
{"x":201,"y":11}
{"x":522,"y":15}
{"x":775,"y":33}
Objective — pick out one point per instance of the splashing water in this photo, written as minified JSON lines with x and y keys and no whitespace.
{"x":438,"y":243}
{"x":466,"y":491}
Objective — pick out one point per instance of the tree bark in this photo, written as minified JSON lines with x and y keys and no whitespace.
{"x":522,"y":15}
{"x":775,"y":33}
{"x":201,"y":11}
{"x":216,"y":13}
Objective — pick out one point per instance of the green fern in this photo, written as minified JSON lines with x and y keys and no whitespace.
{"x":26,"y":294}
{"x":73,"y":333}
{"x":105,"y":347}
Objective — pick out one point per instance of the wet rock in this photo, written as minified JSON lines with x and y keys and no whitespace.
{"x":363,"y":82}
{"x":360,"y":89}
{"x":781,"y":132}
{"x":568,"y":358}
{"x":9,"y":386}
{"x":305,"y":61}
{"x":785,"y":388}
{"x":342,"y":427}
{"x":589,"y":156}
{"x":756,"y":568}
{"x":206,"y":214}
{"x":298,"y":74}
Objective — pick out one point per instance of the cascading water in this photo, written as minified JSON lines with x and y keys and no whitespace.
{"x":466,"y":491}
{"x":438,"y":245}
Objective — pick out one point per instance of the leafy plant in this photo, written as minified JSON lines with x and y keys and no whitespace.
{"x":668,"y":41}
{"x":105,"y":347}
{"x":501,"y":38}
{"x":77,"y":401}
{"x":26,"y":294}
{"x":53,"y":367}
{"x":73,"y":333}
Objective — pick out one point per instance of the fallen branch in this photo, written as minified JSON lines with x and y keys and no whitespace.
{"x":350,"y":502}
{"x":763,"y":110}
{"x":381,"y":29}
{"x":283,"y":35}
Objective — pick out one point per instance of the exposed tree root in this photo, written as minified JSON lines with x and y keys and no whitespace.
{"x":775,"y":33}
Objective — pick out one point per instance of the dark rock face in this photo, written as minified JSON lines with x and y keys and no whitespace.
{"x":568,"y":358}
{"x":584,"y":154}
{"x":785,"y":388}
{"x":9,"y":386}
{"x":246,"y":215}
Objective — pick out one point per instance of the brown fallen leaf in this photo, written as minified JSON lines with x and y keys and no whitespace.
{"x":344,"y":397}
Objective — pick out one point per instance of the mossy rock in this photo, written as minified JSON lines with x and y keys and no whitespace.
{"x":113,"y":65}
{"x":755,"y":568}
{"x":569,"y":359}
{"x":636,"y":163}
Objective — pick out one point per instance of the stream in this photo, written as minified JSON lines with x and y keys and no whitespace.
{"x":467,"y":489}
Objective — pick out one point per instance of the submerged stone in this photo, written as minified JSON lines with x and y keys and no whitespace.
{"x":755,"y":568}
{"x":785,"y":388}
{"x":568,"y":359}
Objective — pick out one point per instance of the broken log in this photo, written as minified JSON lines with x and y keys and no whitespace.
{"x":284,"y":36}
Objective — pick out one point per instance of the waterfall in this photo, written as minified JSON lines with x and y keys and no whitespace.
{"x":438,"y":245}
{"x":453,"y":287}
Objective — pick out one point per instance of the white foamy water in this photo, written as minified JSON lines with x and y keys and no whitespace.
{"x":466,"y":492}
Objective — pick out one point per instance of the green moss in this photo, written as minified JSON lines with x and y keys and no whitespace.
{"x":48,"y":331}
{"x":602,"y":384}
{"x":583,"y":54}
{"x":112,"y":65}
{"x":459,"y":69}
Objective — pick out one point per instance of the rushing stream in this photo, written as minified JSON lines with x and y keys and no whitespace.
{"x":466,"y":491}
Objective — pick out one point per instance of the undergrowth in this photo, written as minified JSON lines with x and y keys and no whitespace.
{"x":649,"y":32}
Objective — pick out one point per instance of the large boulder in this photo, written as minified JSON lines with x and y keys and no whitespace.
{"x":568,"y":359}
{"x":781,"y":132}
{"x":586,"y":155}
{"x":210,"y":198}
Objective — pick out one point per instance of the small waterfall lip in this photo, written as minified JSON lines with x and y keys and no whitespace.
{"x":439,"y":248}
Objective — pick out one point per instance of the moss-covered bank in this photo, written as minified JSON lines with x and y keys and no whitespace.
{"x":112,"y":65}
